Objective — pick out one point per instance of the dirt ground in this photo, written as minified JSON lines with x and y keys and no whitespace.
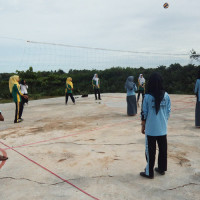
{"x":93,"y":150}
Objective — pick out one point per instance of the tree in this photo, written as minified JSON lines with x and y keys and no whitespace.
{"x":194,"y":55}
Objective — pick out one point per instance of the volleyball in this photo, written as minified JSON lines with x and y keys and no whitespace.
{"x":166,"y":5}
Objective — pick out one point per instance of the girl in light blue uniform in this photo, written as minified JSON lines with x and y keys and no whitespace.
{"x":131,"y":87}
{"x":197,"y":110}
{"x":155,"y":114}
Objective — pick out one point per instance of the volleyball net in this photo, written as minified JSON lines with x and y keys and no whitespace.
{"x":51,"y":56}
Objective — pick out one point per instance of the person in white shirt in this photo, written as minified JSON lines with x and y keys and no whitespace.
{"x":141,"y":88}
{"x":96,"y":86}
{"x":24,"y":87}
{"x":24,"y":91}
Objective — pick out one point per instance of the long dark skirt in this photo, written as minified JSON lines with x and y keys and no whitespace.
{"x":131,"y":105}
{"x":197,"y":114}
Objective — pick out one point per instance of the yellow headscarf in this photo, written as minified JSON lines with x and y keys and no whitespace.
{"x":12,"y":81}
{"x":69,"y":81}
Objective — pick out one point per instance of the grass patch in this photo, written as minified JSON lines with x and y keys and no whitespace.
{"x":37,"y":97}
{"x":6,"y":100}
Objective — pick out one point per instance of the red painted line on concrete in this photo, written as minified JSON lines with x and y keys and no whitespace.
{"x":56,"y":138}
{"x":79,"y":133}
{"x":51,"y":172}
{"x":4,"y":161}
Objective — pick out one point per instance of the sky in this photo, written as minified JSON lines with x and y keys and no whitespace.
{"x":138,"y":25}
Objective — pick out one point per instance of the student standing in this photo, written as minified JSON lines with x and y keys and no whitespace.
{"x":131,"y":87}
{"x":68,"y":90}
{"x":96,"y":86}
{"x":155,"y":113}
{"x":197,"y":110}
{"x":16,"y":94}
{"x":141,"y":88}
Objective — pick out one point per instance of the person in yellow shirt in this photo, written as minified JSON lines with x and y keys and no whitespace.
{"x":16,"y":94}
{"x":68,"y":90}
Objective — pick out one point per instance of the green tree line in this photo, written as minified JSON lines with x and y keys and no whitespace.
{"x":177,"y":80}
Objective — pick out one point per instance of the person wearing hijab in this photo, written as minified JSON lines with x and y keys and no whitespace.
{"x":197,"y":92}
{"x":155,"y":113}
{"x":141,"y":88}
{"x":96,"y":86}
{"x":68,"y":90}
{"x":14,"y":88}
{"x":131,"y":87}
{"x":2,"y":158}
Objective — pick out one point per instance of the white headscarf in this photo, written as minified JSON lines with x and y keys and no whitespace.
{"x":141,"y":79}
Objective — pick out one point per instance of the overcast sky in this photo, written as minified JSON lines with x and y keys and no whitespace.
{"x":138,"y":25}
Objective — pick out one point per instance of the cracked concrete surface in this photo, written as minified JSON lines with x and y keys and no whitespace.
{"x":185,"y":185}
{"x":96,"y":147}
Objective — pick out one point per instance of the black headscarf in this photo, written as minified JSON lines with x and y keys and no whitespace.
{"x":129,"y":83}
{"x":22,"y":82}
{"x":155,"y":88}
{"x":198,"y":76}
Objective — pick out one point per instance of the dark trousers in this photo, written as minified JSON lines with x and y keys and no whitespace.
{"x":97,"y":91}
{"x":24,"y":100}
{"x":151,"y":153}
{"x":22,"y":105}
{"x":18,"y":111}
{"x":66,"y":97}
{"x":138,"y":97}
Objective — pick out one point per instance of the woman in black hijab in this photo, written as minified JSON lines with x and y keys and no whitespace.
{"x":155,"y":113}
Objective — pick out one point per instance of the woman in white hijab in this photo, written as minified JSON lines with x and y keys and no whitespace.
{"x":96,"y":86}
{"x":141,"y":87}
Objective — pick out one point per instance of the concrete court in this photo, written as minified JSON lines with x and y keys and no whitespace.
{"x":98,"y":148}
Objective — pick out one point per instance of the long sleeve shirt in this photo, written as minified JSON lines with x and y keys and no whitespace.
{"x":131,"y":92}
{"x":156,"y":125}
{"x":96,"y":83}
{"x":197,"y":89}
{"x":16,"y":93}
{"x":24,"y":89}
{"x":68,"y":88}
{"x":141,"y":87}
